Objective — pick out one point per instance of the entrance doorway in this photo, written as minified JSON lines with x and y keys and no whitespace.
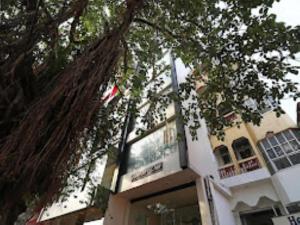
{"x":174,"y":208}
{"x":258,"y":218}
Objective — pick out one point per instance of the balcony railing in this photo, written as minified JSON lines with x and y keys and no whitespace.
{"x":245,"y":165}
{"x":227,"y":171}
{"x":249,"y":164}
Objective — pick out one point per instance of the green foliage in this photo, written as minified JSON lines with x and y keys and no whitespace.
{"x":101,"y":198}
{"x":239,"y":45}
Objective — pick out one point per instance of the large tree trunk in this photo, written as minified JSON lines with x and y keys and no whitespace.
{"x":35,"y":156}
{"x":10,"y":217}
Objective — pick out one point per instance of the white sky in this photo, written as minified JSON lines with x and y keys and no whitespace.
{"x":288,"y":11}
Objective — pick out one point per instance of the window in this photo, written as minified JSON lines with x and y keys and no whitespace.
{"x":224,"y":109}
{"x":266,"y":105}
{"x":222,"y":155}
{"x":169,"y":208}
{"x":263,"y":217}
{"x":242,"y":148}
{"x":153,"y":147}
{"x":251,"y":104}
{"x":281,"y":150}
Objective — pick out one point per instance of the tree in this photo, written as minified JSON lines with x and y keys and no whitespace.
{"x":58,"y":57}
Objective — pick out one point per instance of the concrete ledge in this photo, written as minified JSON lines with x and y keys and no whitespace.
{"x":246,"y":178}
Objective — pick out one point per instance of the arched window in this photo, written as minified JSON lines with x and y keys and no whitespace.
{"x":242,"y":148}
{"x":222,"y":155}
{"x":224,"y":109}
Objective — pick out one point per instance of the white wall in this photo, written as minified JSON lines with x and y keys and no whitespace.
{"x":78,"y":199}
{"x":251,"y":194}
{"x":222,"y":204}
{"x":68,"y":206}
{"x":247,"y":178}
{"x":200,"y":155}
{"x":287,"y":184}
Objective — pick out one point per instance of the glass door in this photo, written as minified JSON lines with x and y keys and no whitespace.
{"x":174,"y":208}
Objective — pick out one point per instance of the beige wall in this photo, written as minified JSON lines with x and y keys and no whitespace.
{"x":232,"y":134}
{"x":117,"y":211}
{"x":269,"y":123}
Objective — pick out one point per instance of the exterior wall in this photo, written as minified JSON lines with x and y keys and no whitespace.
{"x":233,"y":133}
{"x":203,"y":202}
{"x":270,"y":123}
{"x":117,"y":212}
{"x":225,"y":215}
{"x":258,"y":189}
{"x":250,"y":191}
{"x":249,"y":196}
{"x":287,"y":184}
{"x":69,"y":206}
{"x":200,"y":155}
{"x":246,"y":178}
{"x":77,"y":201}
{"x":252,"y":198}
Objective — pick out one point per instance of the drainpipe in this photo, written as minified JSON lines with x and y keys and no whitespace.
{"x":298,"y":114}
{"x":210,"y":200}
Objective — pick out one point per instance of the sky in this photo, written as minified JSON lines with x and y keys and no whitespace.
{"x":288,"y":11}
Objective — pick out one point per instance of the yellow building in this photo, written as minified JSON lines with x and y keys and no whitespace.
{"x":243,"y":149}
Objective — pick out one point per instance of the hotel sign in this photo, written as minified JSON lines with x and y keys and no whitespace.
{"x":292,"y":219}
{"x":147,"y":172}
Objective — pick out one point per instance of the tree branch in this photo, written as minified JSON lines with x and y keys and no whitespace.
{"x":156,"y":27}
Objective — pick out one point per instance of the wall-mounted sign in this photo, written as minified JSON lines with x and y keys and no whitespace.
{"x":292,"y":219}
{"x":147,"y":172}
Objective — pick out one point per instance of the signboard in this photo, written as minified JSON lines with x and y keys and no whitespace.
{"x":147,"y":172}
{"x":292,"y":219}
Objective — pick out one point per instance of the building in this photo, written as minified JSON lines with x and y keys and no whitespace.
{"x":259,"y":165}
{"x":250,"y":178}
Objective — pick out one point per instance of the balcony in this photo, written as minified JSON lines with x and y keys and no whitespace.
{"x":249,"y":164}
{"x":244,"y":166}
{"x":227,"y":171}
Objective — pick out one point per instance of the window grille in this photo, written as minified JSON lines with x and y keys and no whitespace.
{"x":282,"y":150}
